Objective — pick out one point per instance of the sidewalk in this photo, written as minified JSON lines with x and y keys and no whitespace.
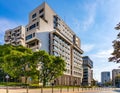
{"x":55,"y":90}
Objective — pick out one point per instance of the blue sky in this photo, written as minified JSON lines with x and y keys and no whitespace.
{"x":92,"y":20}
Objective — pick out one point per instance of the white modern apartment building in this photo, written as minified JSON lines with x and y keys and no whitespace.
{"x":115,"y":72}
{"x":47,"y":31}
{"x":15,"y":36}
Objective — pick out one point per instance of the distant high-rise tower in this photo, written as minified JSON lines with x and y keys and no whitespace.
{"x":87,"y":71}
{"x":105,"y":77}
{"x":115,"y":72}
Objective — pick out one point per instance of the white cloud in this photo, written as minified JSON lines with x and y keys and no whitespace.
{"x":89,"y":21}
{"x":87,"y":47}
{"x":89,"y":18}
{"x":103,"y":53}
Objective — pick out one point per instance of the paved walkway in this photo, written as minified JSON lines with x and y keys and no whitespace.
{"x":59,"y":90}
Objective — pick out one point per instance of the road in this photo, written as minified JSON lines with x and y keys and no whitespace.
{"x":108,"y":91}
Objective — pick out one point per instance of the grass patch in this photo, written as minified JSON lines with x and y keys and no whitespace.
{"x":12,"y":84}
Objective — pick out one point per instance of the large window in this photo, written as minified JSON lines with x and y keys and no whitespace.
{"x":32,"y":26}
{"x":29,"y":37}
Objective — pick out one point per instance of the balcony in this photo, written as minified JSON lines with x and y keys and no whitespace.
{"x":35,"y":48}
{"x":13,"y":40}
{"x":19,"y":40}
{"x":32,"y":39}
{"x":21,"y":36}
{"x":8,"y":42}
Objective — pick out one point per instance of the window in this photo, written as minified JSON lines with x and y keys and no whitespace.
{"x":42,"y":16}
{"x":18,"y":34}
{"x":29,"y":37}
{"x":34,"y":15}
{"x":33,"y":34}
{"x":27,"y":29}
{"x":55,"y":25}
{"x":55,"y":53}
{"x":32,"y":26}
{"x":40,"y":11}
{"x":55,"y":19}
{"x":37,"y":23}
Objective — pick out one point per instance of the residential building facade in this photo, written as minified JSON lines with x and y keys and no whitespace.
{"x":105,"y":77}
{"x":115,"y":73}
{"x":87,"y":71}
{"x":15,"y":36}
{"x":47,"y":31}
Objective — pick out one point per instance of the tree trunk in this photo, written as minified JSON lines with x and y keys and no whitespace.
{"x":27,"y":87}
{"x":44,"y":82}
{"x":26,"y":80}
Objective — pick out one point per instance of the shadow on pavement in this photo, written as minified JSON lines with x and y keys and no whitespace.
{"x":117,"y":91}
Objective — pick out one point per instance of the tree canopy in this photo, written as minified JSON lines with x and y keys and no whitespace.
{"x":16,"y":61}
{"x":116,"y":45}
{"x":51,"y":67}
{"x":21,"y":61}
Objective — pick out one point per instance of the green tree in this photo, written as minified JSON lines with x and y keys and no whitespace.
{"x":20,"y":61}
{"x":108,"y":83}
{"x":51,"y":67}
{"x":43,"y":60}
{"x":57,"y":67}
{"x":116,"y":45}
{"x":16,"y":61}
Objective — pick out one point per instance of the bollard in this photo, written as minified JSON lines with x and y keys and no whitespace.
{"x":78,"y":88}
{"x":52,"y":88}
{"x":41,"y":89}
{"x":27,"y":88}
{"x":82,"y":89}
{"x":60,"y":89}
{"x":68,"y":89}
{"x":7,"y":77}
{"x":7,"y":89}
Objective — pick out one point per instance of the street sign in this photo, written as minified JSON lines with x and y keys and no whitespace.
{"x":7,"y":77}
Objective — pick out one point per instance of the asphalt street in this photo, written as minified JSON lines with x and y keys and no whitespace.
{"x":110,"y":91}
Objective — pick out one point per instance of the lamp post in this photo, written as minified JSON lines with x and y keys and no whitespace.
{"x":7,"y":77}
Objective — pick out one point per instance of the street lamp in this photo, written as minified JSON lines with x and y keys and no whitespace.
{"x":7,"y":77}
